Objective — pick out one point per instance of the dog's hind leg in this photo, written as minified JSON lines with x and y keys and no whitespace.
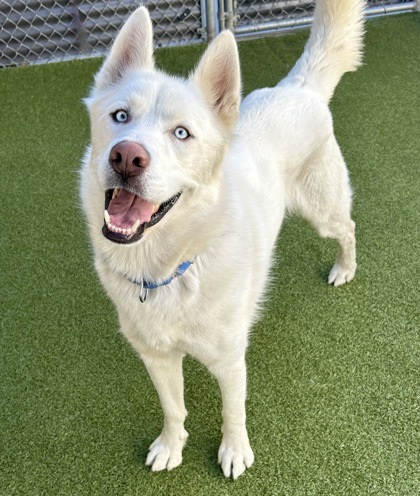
{"x":166,"y":374}
{"x":322,"y":195}
{"x":344,"y":268}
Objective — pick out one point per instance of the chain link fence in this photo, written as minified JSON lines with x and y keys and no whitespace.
{"x":34,"y":31}
{"x":39,"y":31}
{"x":265,"y":17}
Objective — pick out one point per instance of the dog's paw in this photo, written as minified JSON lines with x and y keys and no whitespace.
{"x":166,"y":453}
{"x":341,"y":274}
{"x":235,"y":456}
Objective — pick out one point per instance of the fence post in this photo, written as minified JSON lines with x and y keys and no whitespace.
{"x":210,"y":17}
{"x":229,"y":14}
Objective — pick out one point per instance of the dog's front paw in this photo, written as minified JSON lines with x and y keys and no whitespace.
{"x":235,"y":456}
{"x":166,"y":452}
{"x":340,"y":274}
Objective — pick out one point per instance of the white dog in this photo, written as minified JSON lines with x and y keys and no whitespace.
{"x":195,"y":188}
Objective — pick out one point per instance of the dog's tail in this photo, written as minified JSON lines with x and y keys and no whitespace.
{"x":334,"y":46}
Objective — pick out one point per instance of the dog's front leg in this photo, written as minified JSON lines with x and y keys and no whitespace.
{"x":235,"y":453}
{"x":166,"y":374}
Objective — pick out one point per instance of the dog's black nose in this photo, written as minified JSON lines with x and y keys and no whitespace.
{"x":128,"y":159}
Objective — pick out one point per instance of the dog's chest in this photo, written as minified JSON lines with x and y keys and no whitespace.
{"x":169,"y":321}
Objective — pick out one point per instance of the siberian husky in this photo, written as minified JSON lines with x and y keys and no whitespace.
{"x":184,"y":190}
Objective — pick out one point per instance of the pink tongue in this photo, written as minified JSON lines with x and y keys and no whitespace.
{"x":126,"y":208}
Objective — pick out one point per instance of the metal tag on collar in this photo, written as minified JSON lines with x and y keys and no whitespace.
{"x":143,"y":293}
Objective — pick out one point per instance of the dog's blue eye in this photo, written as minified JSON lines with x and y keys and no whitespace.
{"x":181,"y":133}
{"x":120,"y":116}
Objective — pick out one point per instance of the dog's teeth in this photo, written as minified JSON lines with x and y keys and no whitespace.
{"x":126,"y":232}
{"x":107,"y":217}
{"x":155,"y":208}
{"x":115,"y":193}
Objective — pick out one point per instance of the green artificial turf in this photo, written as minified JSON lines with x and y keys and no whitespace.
{"x":334,"y":374}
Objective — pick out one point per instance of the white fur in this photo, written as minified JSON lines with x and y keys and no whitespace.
{"x":238,"y":177}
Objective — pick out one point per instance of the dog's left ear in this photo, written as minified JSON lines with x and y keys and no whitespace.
{"x":132,"y":49}
{"x":218,"y":75}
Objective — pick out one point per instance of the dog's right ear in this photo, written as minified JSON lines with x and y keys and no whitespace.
{"x":132,"y":49}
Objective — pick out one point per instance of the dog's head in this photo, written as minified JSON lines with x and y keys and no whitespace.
{"x":158,"y":139}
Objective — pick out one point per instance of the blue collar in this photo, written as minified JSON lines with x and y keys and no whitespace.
{"x":146,"y":285}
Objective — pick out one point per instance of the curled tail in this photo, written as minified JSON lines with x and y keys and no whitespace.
{"x":334,"y":46}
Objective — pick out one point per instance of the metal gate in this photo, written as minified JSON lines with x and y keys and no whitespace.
{"x":39,"y":31}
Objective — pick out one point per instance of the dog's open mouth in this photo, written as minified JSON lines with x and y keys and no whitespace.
{"x":127,"y":215}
